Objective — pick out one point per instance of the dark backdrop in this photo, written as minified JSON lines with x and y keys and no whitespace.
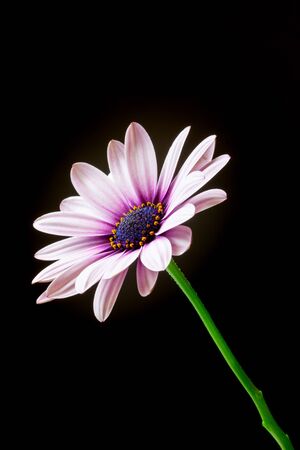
{"x":150,"y":375}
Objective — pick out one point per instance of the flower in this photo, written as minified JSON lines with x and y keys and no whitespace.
{"x":126,"y":216}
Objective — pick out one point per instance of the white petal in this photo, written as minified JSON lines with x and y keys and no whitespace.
{"x":126,"y":258}
{"x":92,"y":274}
{"x":43,"y":298}
{"x":72,"y":248}
{"x":205,"y":158}
{"x":170,"y":164}
{"x":78,"y":204}
{"x":214,"y":167}
{"x":141,"y":162}
{"x":145,"y":278}
{"x":52,"y":271}
{"x":207,"y":199}
{"x":64,"y":285}
{"x":61,"y":288}
{"x":157,"y":254}
{"x":71,"y":224}
{"x":97,"y":189}
{"x":116,"y":159}
{"x":106,"y":295}
{"x":180,"y":238}
{"x":178,"y":217}
{"x":184,"y":190}
{"x":119,"y":172}
{"x":193,"y":158}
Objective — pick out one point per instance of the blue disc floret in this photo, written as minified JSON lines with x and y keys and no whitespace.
{"x":137,"y":226}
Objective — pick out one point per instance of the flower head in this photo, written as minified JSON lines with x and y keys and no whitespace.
{"x":126,"y":216}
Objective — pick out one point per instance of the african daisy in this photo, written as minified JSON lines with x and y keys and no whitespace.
{"x":126,"y":216}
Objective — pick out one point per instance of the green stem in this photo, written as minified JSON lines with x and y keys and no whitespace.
{"x":256,"y":395}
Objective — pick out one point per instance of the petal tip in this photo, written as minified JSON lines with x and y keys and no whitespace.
{"x":37,"y":255}
{"x":35,"y":279}
{"x":99,"y":316}
{"x":185,"y":132}
{"x":146,"y":294}
{"x":134,"y":125}
{"x":43,"y":298}
{"x":75,"y":168}
{"x":36,"y":224}
{"x":222,"y":197}
{"x":110,"y":144}
{"x":226,"y":158}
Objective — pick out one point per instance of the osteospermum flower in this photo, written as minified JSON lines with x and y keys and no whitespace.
{"x":126,"y":216}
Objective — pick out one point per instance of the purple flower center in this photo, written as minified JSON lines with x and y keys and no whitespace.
{"x":137,"y":227}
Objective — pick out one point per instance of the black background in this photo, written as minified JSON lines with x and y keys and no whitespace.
{"x":150,"y":375}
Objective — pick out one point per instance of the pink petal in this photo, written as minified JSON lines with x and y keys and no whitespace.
{"x":97,"y":189}
{"x":184,"y":190}
{"x":170,"y":164}
{"x":178,"y":217}
{"x":72,"y":248}
{"x":71,"y":224}
{"x":116,"y":157}
{"x":206,"y":157}
{"x":214,"y":167}
{"x":180,"y":238}
{"x":141,"y":162}
{"x":193,"y":159}
{"x":116,"y":161}
{"x":118,"y":167}
{"x":145,"y":278}
{"x":52,"y":271}
{"x":64,"y":285}
{"x":126,"y":258}
{"x":92,"y":274}
{"x":78,"y":204}
{"x":43,"y":299}
{"x":106,"y":295}
{"x":157,"y":254}
{"x":207,"y":199}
